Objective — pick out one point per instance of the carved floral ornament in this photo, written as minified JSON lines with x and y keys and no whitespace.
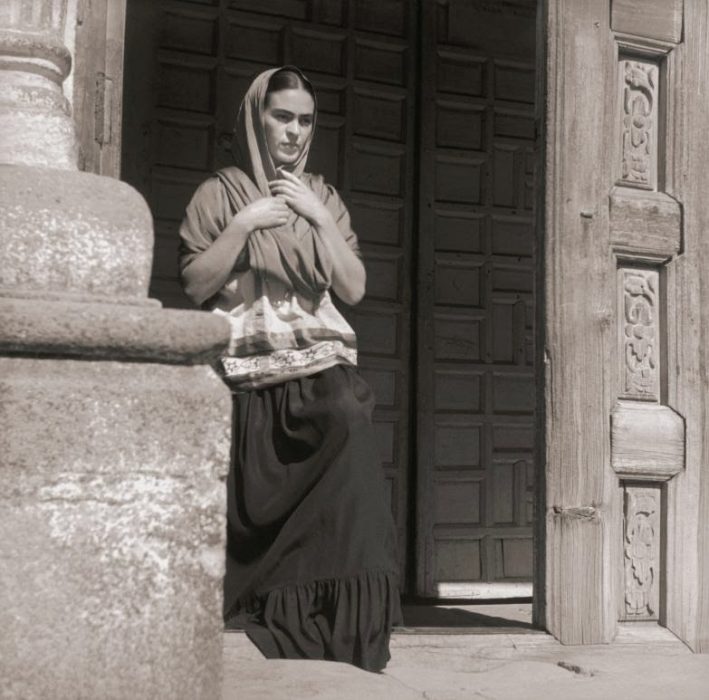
{"x":641,"y":547}
{"x":639,"y":123}
{"x":640,"y":333}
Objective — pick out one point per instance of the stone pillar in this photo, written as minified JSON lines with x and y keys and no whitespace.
{"x":114,"y":431}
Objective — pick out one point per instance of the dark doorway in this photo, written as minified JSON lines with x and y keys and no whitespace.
{"x":426,"y":127}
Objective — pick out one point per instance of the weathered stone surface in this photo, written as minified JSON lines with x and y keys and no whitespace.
{"x":31,"y":137}
{"x":36,"y":127}
{"x":63,"y":231}
{"x":112,"y":512}
{"x":111,"y":331}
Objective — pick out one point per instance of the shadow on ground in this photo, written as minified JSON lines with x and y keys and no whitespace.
{"x":424,"y":616}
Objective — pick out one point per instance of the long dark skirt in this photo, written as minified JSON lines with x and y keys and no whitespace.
{"x":311,"y":553}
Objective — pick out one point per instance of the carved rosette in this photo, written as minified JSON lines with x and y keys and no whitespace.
{"x":639,"y":124}
{"x":640,"y":336}
{"x":642,"y":551}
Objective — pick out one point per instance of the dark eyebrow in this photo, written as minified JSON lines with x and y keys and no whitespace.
{"x":280,"y":110}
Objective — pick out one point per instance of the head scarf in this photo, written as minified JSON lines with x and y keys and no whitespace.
{"x":289,"y":257}
{"x":250,"y":148}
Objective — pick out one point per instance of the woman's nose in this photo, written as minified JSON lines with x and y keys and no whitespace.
{"x":293,"y":128}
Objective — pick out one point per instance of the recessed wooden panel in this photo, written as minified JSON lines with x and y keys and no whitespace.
{"x":379,"y":115}
{"x":328,"y":11}
{"x":254,"y":42}
{"x":458,"y":391}
{"x":165,"y":251}
{"x":512,"y":437}
{"x":377,"y":222}
{"x":457,"y":338}
{"x":232,"y":88}
{"x":389,"y":491}
{"x":457,"y":446}
{"x":514,"y":557}
{"x":324,"y":53}
{"x":295,"y":9}
{"x":514,"y":84}
{"x":377,"y":334}
{"x":184,"y":145}
{"x":504,"y":187}
{"x":170,"y":197}
{"x":457,"y":283}
{"x":380,"y":62}
{"x":188,"y":33}
{"x":460,"y":74}
{"x":384,"y":384}
{"x":459,"y":231}
{"x":381,"y":16}
{"x":459,"y":125}
{"x":514,"y":125}
{"x":512,"y":279}
{"x":503,"y":494}
{"x":383,"y":277}
{"x":376,"y":171}
{"x":458,"y":560}
{"x":490,"y":27}
{"x":386,"y":436}
{"x":512,"y":236}
{"x":325,"y":153}
{"x":505,"y":330}
{"x":458,"y":502}
{"x":331,"y":98}
{"x":458,"y":180}
{"x":513,"y":393}
{"x":190,"y":88}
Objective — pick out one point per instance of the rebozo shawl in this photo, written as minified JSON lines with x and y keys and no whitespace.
{"x":284,"y":324}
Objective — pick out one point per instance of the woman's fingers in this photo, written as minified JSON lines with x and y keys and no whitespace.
{"x":282,"y":186}
{"x":290,"y":180}
{"x":289,"y":176}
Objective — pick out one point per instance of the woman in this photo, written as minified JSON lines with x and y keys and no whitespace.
{"x":311,"y":564}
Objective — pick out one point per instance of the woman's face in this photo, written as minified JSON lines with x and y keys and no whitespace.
{"x":288,"y":122}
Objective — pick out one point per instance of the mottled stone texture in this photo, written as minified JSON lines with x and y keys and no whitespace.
{"x":112,"y":514}
{"x":114,"y":429}
{"x":36,"y":127}
{"x":72,"y":232}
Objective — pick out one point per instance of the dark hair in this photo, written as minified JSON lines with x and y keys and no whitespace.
{"x":288,"y":79}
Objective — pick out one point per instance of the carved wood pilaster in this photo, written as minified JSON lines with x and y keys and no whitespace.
{"x":647,"y":436}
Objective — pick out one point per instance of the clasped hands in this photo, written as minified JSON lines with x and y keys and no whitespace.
{"x":289,"y":194}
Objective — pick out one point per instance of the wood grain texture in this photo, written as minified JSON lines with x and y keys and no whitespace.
{"x":646,"y":223}
{"x":657,"y":19}
{"x":98,"y":84}
{"x":582,"y":523}
{"x":647,"y":439}
{"x":687,"y":495}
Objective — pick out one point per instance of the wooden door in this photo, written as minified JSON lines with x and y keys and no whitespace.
{"x":475,"y":310}
{"x":188,"y":64}
{"x":624,"y":249}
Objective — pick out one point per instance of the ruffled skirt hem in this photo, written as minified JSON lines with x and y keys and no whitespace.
{"x":341,"y":619}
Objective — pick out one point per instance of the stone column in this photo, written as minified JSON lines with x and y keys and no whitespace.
{"x":114,"y":431}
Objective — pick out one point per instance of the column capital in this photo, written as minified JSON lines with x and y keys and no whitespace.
{"x":36,"y":127}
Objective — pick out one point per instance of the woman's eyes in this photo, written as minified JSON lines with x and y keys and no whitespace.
{"x":287,"y":118}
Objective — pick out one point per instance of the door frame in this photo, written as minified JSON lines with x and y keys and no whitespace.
{"x":576,"y":535}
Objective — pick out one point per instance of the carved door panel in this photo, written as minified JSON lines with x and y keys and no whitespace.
{"x":476,"y":240}
{"x":188,"y":66}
